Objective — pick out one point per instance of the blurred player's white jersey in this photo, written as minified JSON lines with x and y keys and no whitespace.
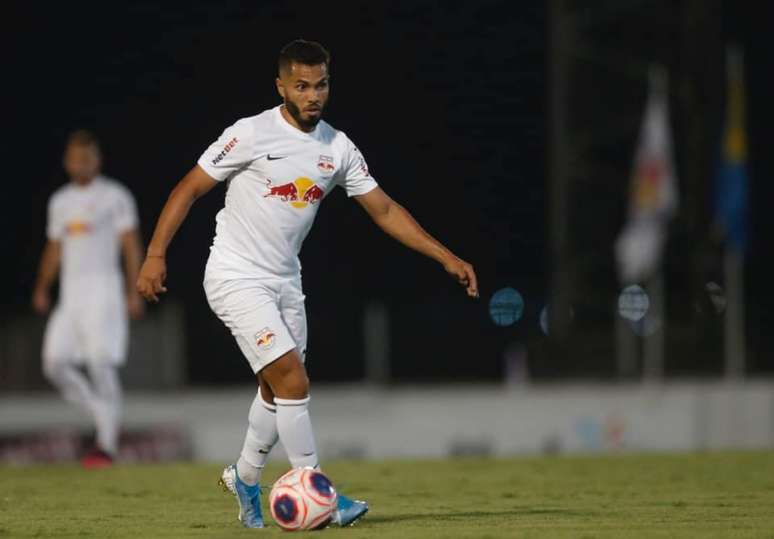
{"x":89,"y":322}
{"x":278,"y":176}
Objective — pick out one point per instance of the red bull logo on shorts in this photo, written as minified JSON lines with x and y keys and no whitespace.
{"x":299,"y":193}
{"x":264,"y":339}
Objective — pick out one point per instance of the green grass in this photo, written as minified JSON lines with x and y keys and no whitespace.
{"x":705,"y":495}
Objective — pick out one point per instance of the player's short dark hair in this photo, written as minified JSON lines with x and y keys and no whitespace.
{"x":304,"y":52}
{"x":82,"y":137}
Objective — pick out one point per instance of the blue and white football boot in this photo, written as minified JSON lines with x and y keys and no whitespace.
{"x":348,"y":511}
{"x":248,"y":497}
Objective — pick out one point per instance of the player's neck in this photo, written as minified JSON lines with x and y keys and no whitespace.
{"x":83,"y":183}
{"x":292,"y":121}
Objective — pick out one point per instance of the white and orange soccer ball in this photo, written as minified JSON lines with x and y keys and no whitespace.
{"x":302,"y":499}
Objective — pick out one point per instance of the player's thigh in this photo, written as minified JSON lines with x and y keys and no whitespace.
{"x":293,"y":312}
{"x":60,"y":339}
{"x":105,"y":329}
{"x":253,"y":316}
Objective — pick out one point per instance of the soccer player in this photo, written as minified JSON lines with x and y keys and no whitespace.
{"x":92,"y":220}
{"x":279,"y":165}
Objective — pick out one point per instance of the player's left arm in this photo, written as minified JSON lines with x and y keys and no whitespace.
{"x":131,"y":249}
{"x":396,"y":221}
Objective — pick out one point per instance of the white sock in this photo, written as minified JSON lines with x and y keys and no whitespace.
{"x":108,"y":404}
{"x":295,"y":430}
{"x":101,"y":398}
{"x":260,"y":438}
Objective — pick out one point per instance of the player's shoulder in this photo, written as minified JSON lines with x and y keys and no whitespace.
{"x":334,"y":137}
{"x":60,"y":195}
{"x":113,"y":186}
{"x":249,"y":126}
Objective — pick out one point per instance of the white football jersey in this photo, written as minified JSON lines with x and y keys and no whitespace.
{"x":277,"y":176}
{"x":88,"y":221}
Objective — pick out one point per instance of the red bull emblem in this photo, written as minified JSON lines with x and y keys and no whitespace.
{"x":299,"y":193}
{"x":363,"y":167}
{"x":264,"y":339}
{"x":325,"y":164}
{"x":76,"y":228}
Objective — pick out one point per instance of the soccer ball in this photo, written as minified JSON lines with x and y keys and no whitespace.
{"x":302,"y":499}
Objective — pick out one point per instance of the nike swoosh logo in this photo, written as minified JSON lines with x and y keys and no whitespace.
{"x":271,"y":157}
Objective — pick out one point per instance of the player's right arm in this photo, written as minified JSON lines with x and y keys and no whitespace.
{"x":49,"y":267}
{"x":195,"y":184}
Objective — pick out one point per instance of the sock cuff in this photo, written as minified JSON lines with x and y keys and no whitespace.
{"x":291,"y":402}
{"x":270,"y":407}
{"x":248,"y":458}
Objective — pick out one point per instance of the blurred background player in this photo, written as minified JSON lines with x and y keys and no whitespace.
{"x":92,"y":221}
{"x":279,"y":164}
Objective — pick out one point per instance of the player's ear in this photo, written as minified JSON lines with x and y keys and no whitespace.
{"x":280,"y":88}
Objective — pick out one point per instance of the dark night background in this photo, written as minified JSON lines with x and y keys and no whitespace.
{"x":448,"y":102}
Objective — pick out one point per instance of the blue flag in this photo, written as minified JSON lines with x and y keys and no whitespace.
{"x":731,"y":177}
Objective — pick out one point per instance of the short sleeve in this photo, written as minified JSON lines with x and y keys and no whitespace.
{"x":354,"y":176}
{"x":55,"y":226}
{"x":230,"y":153}
{"x":125,"y":212}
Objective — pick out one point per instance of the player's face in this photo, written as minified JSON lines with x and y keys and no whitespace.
{"x":81,"y":162}
{"x":305,"y":91}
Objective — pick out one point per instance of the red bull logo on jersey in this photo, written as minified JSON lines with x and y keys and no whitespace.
{"x":264,"y":339}
{"x":299,"y":193}
{"x":77,"y":228}
{"x":325,"y":164}
{"x":364,"y":167}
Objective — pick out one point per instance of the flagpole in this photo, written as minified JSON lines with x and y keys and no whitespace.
{"x":733,"y":258}
{"x":653,"y":346}
{"x":733,"y":324}
{"x":626,"y":348}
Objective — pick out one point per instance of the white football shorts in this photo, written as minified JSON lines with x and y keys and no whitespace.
{"x":266,"y":316}
{"x":92,"y":332}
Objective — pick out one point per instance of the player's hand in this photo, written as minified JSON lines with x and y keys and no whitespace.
{"x":134,"y":305}
{"x":150,"y":282}
{"x":41,"y":302}
{"x":463,"y":273}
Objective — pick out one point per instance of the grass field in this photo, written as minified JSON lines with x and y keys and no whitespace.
{"x":710,"y":495}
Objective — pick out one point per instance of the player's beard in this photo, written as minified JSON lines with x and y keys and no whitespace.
{"x":295,"y":112}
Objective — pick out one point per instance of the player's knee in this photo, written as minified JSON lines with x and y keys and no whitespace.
{"x":293,"y":385}
{"x":105,"y":381}
{"x":287,"y":378}
{"x":298,"y":387}
{"x":52,"y":373}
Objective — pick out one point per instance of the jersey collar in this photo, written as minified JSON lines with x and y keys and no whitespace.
{"x":283,"y":123}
